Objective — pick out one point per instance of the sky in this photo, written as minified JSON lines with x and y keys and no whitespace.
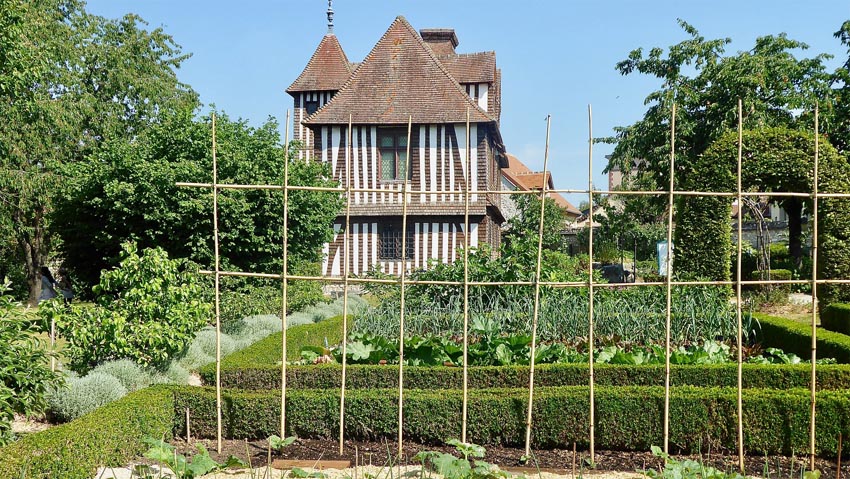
{"x":556,"y":56}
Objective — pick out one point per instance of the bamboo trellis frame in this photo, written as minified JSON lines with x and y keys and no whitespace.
{"x":537,"y":283}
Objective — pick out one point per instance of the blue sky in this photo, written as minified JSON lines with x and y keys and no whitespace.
{"x":556,"y":56}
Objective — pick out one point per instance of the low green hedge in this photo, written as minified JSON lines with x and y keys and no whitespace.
{"x":628,"y":418}
{"x":767,"y":376}
{"x":108,"y":436}
{"x":796,"y":337}
{"x":836,"y":318}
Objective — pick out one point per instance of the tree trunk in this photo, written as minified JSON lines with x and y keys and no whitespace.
{"x":794,"y":208}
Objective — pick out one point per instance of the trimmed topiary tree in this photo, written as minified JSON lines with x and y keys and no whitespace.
{"x":774,"y":160}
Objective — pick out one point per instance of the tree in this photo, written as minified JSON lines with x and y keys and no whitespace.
{"x":524,"y":228}
{"x":839,"y":131}
{"x":773,"y":84}
{"x":128,"y":192}
{"x":69,"y":82}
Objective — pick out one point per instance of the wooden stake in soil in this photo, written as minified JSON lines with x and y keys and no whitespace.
{"x":740,"y":334}
{"x":401,"y":298}
{"x":590,"y":340}
{"x":465,"y":403}
{"x":345,"y":256}
{"x":283,"y":279}
{"x":535,"y":316}
{"x":838,"y":460}
{"x":217,"y":293}
{"x":814,"y":379}
{"x":188,"y":431}
{"x":52,"y":345}
{"x":668,"y":279}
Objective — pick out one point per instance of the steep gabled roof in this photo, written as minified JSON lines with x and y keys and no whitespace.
{"x":471,"y":67}
{"x":327,"y":70}
{"x":400,"y":77}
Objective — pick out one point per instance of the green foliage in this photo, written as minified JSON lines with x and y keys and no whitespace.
{"x":109,"y":436}
{"x":776,"y":159}
{"x":836,"y":317}
{"x":147,"y":310}
{"x":256,"y":372}
{"x":128,"y":191}
{"x":452,"y":467}
{"x":629,"y":418}
{"x":631,"y":314}
{"x":70,"y":80}
{"x":795,"y":337}
{"x":522,"y":235}
{"x":82,"y":395}
{"x":25,"y":375}
{"x":686,"y":469}
{"x":200,"y":464}
{"x":276,"y":443}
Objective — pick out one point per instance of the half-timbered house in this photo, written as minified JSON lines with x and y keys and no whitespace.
{"x":407,"y":75}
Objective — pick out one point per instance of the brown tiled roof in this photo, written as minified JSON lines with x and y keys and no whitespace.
{"x":525,"y":179}
{"x":400,"y":77}
{"x":471,"y":67}
{"x":327,"y":70}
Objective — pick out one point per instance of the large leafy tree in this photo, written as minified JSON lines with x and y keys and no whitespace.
{"x":705,"y":84}
{"x":128,"y":192}
{"x":839,"y":134}
{"x":69,"y":81}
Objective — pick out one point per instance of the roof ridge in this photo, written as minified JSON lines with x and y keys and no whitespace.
{"x":468,"y":54}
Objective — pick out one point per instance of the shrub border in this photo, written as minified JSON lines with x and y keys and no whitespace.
{"x":836,"y":318}
{"x":628,"y":418}
{"x":796,"y":337}
{"x":110,"y":435}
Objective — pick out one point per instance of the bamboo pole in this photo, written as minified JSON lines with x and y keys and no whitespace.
{"x":814,"y":379}
{"x":535,"y":316}
{"x":740,"y":334}
{"x":345,"y":259}
{"x":217,"y":293}
{"x":401,"y":299}
{"x":668,"y":280}
{"x":465,"y":402}
{"x":590,"y":340}
{"x":283,"y":279}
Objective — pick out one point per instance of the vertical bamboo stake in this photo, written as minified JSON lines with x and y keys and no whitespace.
{"x":814,"y":380}
{"x":534,"y":318}
{"x":52,"y":345}
{"x":590,"y":282}
{"x":402,"y":280}
{"x":284,"y":280}
{"x":217,"y":293}
{"x":465,"y":404}
{"x":345,"y":257}
{"x":669,"y":279}
{"x":740,"y":338}
{"x":188,"y":431}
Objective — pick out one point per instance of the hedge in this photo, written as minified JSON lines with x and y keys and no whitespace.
{"x":110,"y":435}
{"x":628,"y":418}
{"x":767,"y":376}
{"x":796,"y":337}
{"x":836,"y":318}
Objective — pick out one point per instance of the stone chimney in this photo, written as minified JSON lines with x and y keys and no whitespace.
{"x":442,"y":40}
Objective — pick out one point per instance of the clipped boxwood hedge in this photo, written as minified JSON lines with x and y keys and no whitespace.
{"x":836,"y":318}
{"x":768,"y":376}
{"x":628,"y":418}
{"x":796,"y":337}
{"x":110,"y":435}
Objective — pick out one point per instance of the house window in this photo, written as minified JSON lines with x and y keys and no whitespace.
{"x":311,"y":106}
{"x":390,"y":247}
{"x":393,"y":148}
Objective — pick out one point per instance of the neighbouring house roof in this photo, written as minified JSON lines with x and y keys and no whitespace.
{"x":471,"y":67}
{"x":525,"y":179}
{"x":327,"y":70}
{"x":399,"y":78}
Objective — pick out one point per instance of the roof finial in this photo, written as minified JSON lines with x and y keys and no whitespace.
{"x":330,"y":16}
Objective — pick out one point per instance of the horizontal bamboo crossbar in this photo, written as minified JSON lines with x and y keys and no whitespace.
{"x":333,"y":189}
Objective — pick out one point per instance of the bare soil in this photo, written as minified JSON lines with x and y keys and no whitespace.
{"x":557,"y":461}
